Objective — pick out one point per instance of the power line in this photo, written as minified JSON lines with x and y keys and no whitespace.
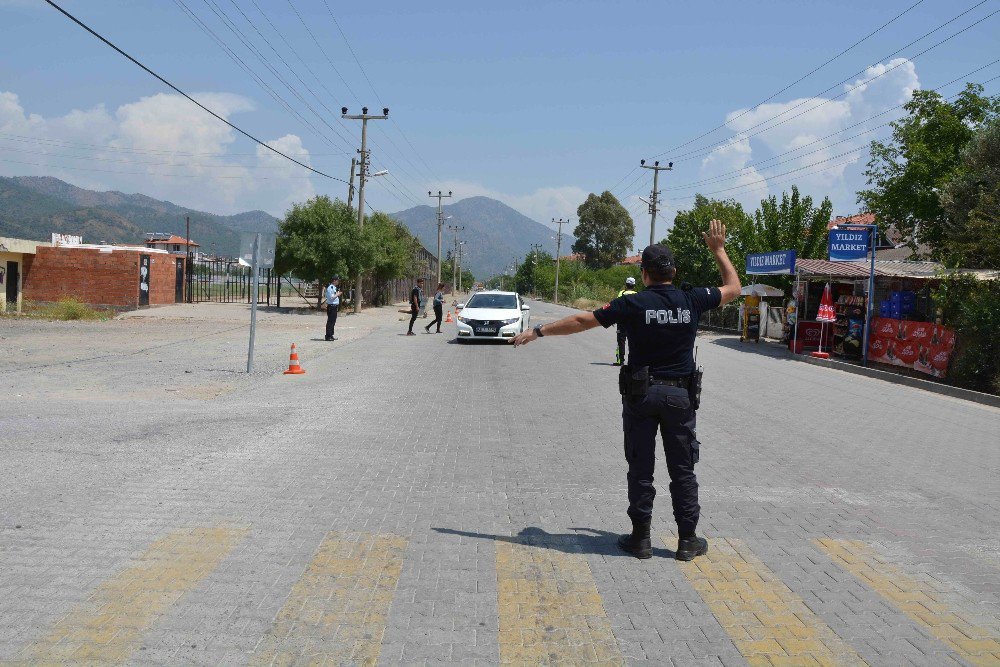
{"x":23,"y":138}
{"x":738,"y":172}
{"x":697,"y":153}
{"x":245,"y":67}
{"x":151,"y":173}
{"x":181,"y":92}
{"x":800,"y":79}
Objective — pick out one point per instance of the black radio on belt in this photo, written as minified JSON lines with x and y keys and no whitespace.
{"x":633,"y":383}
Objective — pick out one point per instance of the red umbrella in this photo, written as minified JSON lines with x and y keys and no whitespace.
{"x":826,"y":314}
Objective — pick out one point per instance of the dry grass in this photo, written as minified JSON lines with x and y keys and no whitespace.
{"x":64,"y":310}
{"x":587,"y":304}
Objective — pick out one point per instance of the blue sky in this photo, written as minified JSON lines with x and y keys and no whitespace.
{"x":535,"y":103}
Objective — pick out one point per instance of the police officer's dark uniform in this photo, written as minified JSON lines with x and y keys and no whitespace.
{"x":662,"y":322}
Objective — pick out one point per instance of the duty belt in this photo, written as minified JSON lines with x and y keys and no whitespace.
{"x":670,"y":382}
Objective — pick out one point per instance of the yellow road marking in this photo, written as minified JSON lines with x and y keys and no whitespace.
{"x":928,"y":604}
{"x":337,"y":610}
{"x":769,"y":624}
{"x":550,"y":610}
{"x":109,"y":626}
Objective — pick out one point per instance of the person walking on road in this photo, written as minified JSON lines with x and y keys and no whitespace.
{"x":416,"y":302}
{"x":333,"y":295}
{"x":438,"y":309}
{"x":620,"y":333}
{"x":661,"y":387}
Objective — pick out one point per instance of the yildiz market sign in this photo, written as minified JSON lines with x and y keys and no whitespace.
{"x":770,"y":263}
{"x":847,"y":245}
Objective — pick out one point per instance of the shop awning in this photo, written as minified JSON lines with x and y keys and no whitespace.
{"x":821,"y":268}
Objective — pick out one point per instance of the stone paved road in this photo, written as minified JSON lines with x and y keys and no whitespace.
{"x":413,"y":500}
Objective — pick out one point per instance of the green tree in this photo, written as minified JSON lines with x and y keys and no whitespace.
{"x":906,"y":174}
{"x":393,"y":251}
{"x":318,"y":239}
{"x":605,"y":231}
{"x":971,"y":202}
{"x":315,"y":239}
{"x":695,"y":263}
{"x":970,"y":307}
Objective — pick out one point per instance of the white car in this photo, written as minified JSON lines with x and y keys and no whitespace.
{"x":492,"y":315}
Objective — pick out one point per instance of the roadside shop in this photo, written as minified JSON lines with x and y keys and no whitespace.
{"x":906,"y":330}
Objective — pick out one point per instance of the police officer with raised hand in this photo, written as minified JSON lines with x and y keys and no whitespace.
{"x":661,"y":386}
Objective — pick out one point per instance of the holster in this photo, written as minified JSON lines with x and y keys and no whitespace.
{"x":633,"y":383}
{"x":694,"y":388}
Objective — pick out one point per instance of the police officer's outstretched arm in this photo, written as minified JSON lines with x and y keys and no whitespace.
{"x":568,"y":325}
{"x":715,"y":238}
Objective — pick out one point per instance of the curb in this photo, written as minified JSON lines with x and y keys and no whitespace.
{"x":934,"y":387}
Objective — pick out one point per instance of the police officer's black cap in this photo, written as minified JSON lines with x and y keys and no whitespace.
{"x":657,"y":257}
{"x":335,"y":278}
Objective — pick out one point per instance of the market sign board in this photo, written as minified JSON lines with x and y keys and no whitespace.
{"x":848,"y":245}
{"x":771,"y":263}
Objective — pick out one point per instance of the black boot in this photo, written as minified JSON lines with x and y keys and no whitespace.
{"x":637,"y":543}
{"x":690,"y":547}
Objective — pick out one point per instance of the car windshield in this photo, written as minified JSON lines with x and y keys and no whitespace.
{"x":507,"y":301}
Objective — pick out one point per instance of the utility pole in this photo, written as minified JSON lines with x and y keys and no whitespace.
{"x":559,"y":222}
{"x":188,"y":269}
{"x":364,"y":117}
{"x":654,"y":197}
{"x":440,"y":223}
{"x":461,"y":255}
{"x":350,"y":188}
{"x":454,"y":256}
{"x":535,"y":249}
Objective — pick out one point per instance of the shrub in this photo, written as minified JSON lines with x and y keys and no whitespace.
{"x":66,"y":309}
{"x":969,"y":306}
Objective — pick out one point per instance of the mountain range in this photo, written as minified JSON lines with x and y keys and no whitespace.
{"x":33,"y":207}
{"x":494,"y":233}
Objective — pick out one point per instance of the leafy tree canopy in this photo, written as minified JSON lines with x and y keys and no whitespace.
{"x":906,"y":173}
{"x":971,"y":202}
{"x":318,"y":239}
{"x":605,"y":231}
{"x":695,"y":263}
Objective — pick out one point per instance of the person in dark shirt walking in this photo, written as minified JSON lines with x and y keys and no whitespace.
{"x":438,"y":309}
{"x":416,"y":301}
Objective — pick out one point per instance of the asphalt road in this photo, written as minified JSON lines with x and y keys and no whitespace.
{"x":416,"y":500}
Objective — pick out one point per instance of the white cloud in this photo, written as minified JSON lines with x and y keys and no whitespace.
{"x":162,"y":146}
{"x":805,"y":123}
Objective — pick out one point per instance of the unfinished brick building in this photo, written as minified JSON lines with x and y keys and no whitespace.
{"x":119,"y":277}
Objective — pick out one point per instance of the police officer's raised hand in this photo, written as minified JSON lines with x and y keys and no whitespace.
{"x":524,"y":337}
{"x":715,"y":237}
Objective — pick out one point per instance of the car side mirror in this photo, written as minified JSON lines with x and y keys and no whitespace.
{"x":525,"y":306}
{"x":460,"y":306}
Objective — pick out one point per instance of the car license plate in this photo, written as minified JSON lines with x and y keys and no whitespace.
{"x":486,"y":330}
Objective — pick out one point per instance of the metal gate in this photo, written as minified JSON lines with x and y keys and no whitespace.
{"x":227,"y":281}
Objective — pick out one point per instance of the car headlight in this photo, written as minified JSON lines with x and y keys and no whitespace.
{"x":465,"y":320}
{"x":513,"y":320}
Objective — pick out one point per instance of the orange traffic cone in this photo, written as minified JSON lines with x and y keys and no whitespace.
{"x":293,"y":363}
{"x":449,"y":320}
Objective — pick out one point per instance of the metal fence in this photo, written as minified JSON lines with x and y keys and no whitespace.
{"x":226,"y":281}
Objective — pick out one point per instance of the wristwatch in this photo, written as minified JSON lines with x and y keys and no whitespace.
{"x":538,"y":330}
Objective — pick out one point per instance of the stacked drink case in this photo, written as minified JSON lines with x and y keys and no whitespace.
{"x":922,"y":346}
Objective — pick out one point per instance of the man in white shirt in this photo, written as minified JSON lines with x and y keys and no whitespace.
{"x":333,"y":295}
